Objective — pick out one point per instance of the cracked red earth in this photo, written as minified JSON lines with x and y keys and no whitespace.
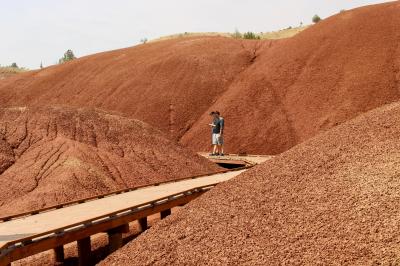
{"x":55,"y":155}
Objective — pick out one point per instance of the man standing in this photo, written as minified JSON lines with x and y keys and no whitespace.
{"x":217,"y":130}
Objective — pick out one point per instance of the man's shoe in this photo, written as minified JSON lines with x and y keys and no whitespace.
{"x":221,"y":154}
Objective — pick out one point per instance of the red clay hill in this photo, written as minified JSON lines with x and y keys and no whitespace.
{"x":332,"y":200}
{"x":273,"y":94}
{"x":54,"y":155}
{"x":325,"y":75}
{"x":167,"y":84}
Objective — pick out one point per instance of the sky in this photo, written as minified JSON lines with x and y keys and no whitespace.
{"x":38,"y":31}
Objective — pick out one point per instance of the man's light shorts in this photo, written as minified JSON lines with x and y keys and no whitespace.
{"x":217,"y":139}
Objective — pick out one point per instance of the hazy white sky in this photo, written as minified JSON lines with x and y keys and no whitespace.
{"x":34,"y":31}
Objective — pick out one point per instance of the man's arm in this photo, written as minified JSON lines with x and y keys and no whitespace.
{"x":221,"y":123}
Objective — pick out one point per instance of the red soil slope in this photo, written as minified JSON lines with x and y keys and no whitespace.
{"x":333,"y":200}
{"x":273,"y":95}
{"x":325,"y":75}
{"x":167,"y":84}
{"x":54,"y":155}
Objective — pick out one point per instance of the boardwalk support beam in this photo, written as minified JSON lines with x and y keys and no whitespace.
{"x":165,"y":213}
{"x":115,"y":237}
{"x":84,"y":250}
{"x":59,"y":255}
{"x":142,"y":224}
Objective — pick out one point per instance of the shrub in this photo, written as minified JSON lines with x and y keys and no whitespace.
{"x":316,"y":19}
{"x":14,"y":65}
{"x":68,"y":56}
{"x":251,"y":36}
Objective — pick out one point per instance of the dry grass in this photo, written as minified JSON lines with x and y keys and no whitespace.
{"x":281,"y":34}
{"x":10,"y":71}
{"x":190,"y":34}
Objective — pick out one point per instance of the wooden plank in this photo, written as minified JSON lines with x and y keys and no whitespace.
{"x":84,"y":251}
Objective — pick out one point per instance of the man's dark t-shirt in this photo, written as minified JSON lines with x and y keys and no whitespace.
{"x":219,"y":123}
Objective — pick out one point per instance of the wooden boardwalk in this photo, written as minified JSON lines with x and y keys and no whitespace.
{"x":27,"y":235}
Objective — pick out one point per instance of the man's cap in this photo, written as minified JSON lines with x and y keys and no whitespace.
{"x":212,"y":113}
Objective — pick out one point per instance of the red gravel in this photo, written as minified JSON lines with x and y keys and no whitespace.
{"x":54,"y":155}
{"x":273,"y":95}
{"x":332,"y":200}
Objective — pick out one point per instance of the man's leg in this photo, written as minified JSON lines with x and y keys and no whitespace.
{"x":215,"y":149}
{"x":221,"y":145}
{"x":214,"y":143}
{"x":221,"y":149}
